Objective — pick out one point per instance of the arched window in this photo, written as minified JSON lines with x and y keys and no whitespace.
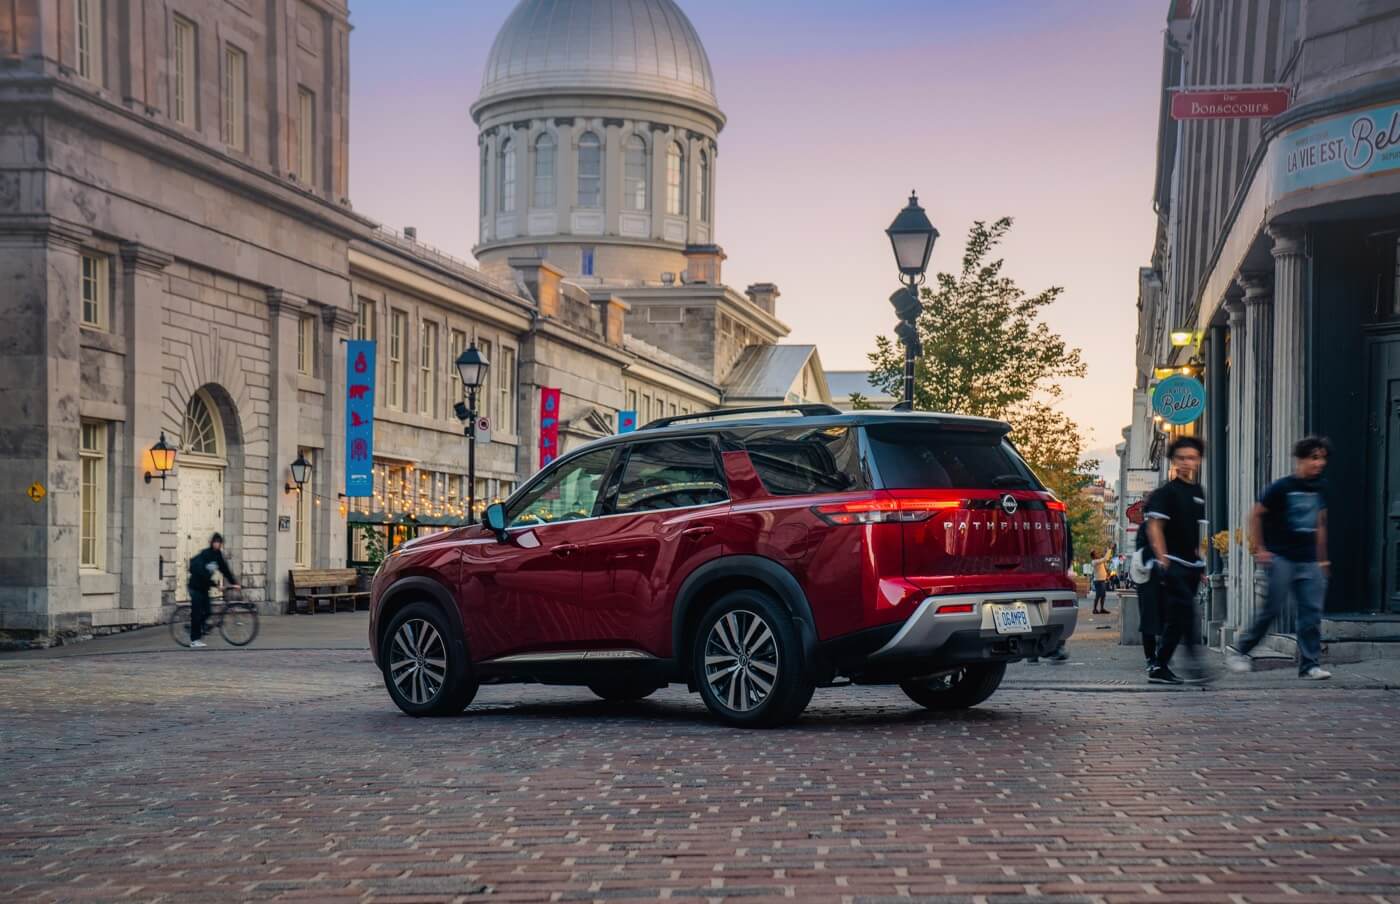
{"x":590,"y":171}
{"x":507,"y":169}
{"x":634,"y":175}
{"x":200,"y":434}
{"x":704,"y":186}
{"x":675,"y":180}
{"x":544,"y":171}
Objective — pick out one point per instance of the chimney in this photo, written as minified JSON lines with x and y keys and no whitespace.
{"x":542,"y":281}
{"x":410,"y":233}
{"x":765,"y":295}
{"x":703,"y":264}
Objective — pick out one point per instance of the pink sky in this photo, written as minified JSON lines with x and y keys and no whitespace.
{"x":1040,"y":110}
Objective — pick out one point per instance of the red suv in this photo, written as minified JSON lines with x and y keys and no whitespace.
{"x":753,"y":554}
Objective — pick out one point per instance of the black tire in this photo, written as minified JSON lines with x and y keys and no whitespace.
{"x":622,"y":690}
{"x":735,"y":694}
{"x":180,"y":625}
{"x":439,"y":653}
{"x":962,"y":689}
{"x":239,"y":625}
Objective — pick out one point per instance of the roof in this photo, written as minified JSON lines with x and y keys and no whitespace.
{"x":768,"y":372}
{"x":845,"y":382}
{"x":612,"y":46}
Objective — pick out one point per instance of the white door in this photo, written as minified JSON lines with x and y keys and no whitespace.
{"x":201,"y":515}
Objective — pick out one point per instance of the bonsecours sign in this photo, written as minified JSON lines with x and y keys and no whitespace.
{"x":1337,"y":148}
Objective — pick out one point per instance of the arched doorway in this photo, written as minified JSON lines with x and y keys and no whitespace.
{"x":203,"y":461}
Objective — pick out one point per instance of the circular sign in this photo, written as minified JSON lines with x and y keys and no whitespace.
{"x":1179,"y":399}
{"x":1135,"y":512}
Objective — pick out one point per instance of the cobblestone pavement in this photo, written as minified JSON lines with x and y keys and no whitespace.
{"x":283,"y":774}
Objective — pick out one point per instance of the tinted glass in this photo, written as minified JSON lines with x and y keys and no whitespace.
{"x":670,"y":474}
{"x":910,"y":457}
{"x":568,"y":494}
{"x":801,"y":462}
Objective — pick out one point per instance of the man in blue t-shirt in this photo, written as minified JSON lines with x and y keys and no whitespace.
{"x":1288,"y":538}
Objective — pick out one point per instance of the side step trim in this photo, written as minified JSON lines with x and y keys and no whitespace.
{"x":571,"y":656}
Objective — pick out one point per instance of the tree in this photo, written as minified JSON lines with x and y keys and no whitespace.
{"x":988,"y":353}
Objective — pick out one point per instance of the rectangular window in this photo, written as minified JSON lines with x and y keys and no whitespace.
{"x":644,"y":415}
{"x":505,"y":388}
{"x":364,"y":320}
{"x":456,"y":344}
{"x":670,"y":474}
{"x":586,"y":264}
{"x":88,"y":16}
{"x":306,"y":136}
{"x":304,"y":521}
{"x":398,"y":327}
{"x":427,"y":367}
{"x":802,"y":462}
{"x":183,"y":86}
{"x":93,"y":528}
{"x":235,"y":98}
{"x":306,"y":345}
{"x":94,"y":291}
{"x":483,"y":396}
{"x":632,"y":400}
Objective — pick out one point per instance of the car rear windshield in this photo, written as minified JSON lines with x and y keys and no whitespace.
{"x":801,"y":462}
{"x":917,"y":457}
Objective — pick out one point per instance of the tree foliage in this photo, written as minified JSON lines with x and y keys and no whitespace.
{"x":988,"y":353}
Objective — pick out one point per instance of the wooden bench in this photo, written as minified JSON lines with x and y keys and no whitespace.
{"x":332,"y":587}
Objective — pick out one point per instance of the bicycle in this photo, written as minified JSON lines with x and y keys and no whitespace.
{"x":236,"y":619}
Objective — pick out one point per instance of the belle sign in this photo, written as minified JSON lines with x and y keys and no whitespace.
{"x":1179,"y":400}
{"x":1248,"y":103}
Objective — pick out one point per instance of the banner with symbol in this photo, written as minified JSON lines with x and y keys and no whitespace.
{"x":359,"y":418}
{"x":549,"y":425}
{"x":626,"y":420}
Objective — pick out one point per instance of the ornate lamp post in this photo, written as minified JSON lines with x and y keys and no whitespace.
{"x":912,"y":237}
{"x":471,"y":367}
{"x":162,"y":459}
{"x":301,"y":473}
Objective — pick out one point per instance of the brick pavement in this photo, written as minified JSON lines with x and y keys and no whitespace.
{"x":272,"y":775}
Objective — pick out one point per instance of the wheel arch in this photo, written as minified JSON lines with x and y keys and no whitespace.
{"x":719,"y":576}
{"x":419,"y":589}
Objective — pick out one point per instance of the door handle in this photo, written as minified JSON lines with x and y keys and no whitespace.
{"x":565,"y":550}
{"x":696,"y":533}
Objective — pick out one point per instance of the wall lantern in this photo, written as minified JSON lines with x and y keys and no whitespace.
{"x":162,"y":459}
{"x":1184,"y":338}
{"x":301,"y":473}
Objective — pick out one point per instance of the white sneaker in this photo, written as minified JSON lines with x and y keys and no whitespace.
{"x":1238,"y":662}
{"x":197,"y":643}
{"x":1316,"y":673}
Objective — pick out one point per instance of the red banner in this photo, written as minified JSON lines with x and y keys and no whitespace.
{"x":549,"y":425}
{"x":1253,"y":103}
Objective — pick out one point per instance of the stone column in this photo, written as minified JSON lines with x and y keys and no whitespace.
{"x":1234,"y":478}
{"x":283,"y":311}
{"x":330,"y":530}
{"x":1289,"y":374}
{"x":143,"y":309}
{"x":1253,"y":418}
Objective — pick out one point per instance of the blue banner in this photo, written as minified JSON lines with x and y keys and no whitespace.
{"x":626,"y":421}
{"x":359,"y":418}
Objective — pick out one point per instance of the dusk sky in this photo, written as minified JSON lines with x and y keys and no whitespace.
{"x":1042,"y":110}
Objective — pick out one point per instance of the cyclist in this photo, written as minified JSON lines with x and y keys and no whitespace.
{"x":203,"y":569}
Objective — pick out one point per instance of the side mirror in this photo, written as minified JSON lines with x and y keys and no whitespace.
{"x":495,"y":519}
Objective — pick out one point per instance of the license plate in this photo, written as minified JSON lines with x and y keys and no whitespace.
{"x":1012,"y":619}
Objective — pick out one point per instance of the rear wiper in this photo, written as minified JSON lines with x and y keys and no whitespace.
{"x":1010,"y":480}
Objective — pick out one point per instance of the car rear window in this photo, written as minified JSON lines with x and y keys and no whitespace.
{"x":800,"y":462}
{"x":913,"y":457}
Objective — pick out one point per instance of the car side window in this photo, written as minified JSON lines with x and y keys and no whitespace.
{"x":669,"y":474}
{"x":568,"y":494}
{"x":804,"y":462}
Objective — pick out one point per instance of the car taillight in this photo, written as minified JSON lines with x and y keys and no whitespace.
{"x":957,"y":609}
{"x":884,"y":510}
{"x":1055,"y":505}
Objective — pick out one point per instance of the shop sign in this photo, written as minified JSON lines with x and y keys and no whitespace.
{"x":359,"y":418}
{"x":1179,"y":399}
{"x":1337,"y":148}
{"x":1135,"y":512}
{"x":1248,"y":103}
{"x":549,"y":425}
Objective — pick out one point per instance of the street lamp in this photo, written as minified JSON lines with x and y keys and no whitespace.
{"x":471,"y":367}
{"x":162,"y":459}
{"x":912,"y":237}
{"x":301,"y":473}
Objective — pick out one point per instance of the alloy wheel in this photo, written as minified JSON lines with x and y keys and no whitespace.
{"x":741,"y":660}
{"x":418,"y":661}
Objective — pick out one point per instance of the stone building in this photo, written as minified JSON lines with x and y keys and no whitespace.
{"x":184,"y":261}
{"x":1276,"y":245}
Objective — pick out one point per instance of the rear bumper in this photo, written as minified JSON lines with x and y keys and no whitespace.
{"x":949,"y":639}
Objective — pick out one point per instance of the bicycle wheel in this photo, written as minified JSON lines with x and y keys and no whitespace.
{"x":240,"y":624}
{"x":180,"y":625}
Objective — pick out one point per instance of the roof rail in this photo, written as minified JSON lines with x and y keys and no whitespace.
{"x":806,"y":410}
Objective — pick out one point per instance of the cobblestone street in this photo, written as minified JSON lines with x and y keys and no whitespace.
{"x":287,"y":774}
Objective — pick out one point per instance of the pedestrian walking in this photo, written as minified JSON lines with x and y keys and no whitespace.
{"x":1174,"y":513}
{"x":1100,"y":563}
{"x":1288,"y":539}
{"x":1146,"y":578}
{"x":203,"y":569}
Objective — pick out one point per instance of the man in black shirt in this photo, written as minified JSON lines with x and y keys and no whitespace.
{"x":1174,"y":514}
{"x":203,"y":569}
{"x":1288,"y":538}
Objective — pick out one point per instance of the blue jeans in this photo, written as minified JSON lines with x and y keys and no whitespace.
{"x":1305,"y":583}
